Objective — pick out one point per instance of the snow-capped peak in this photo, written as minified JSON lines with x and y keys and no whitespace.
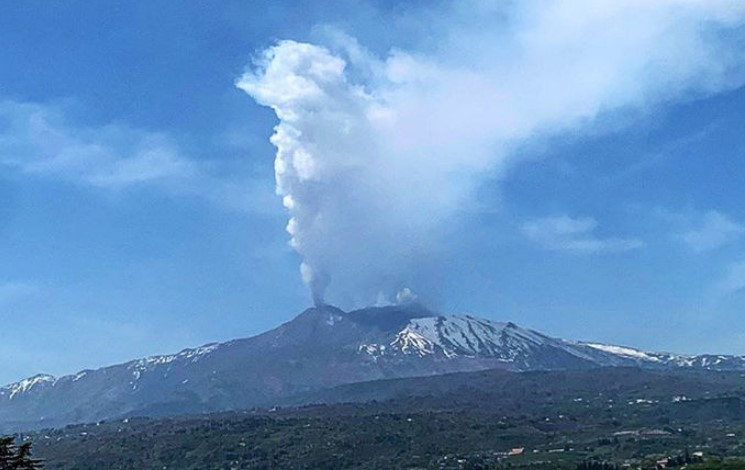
{"x":465,"y":336}
{"x":25,"y":385}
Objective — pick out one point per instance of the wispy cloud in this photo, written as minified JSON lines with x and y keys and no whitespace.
{"x":710,"y":231}
{"x":576,"y":235}
{"x":732,"y":282}
{"x":38,"y":141}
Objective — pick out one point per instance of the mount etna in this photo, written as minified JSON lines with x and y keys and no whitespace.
{"x":322,"y":348}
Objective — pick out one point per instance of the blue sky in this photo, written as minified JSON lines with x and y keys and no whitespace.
{"x":139,"y":213}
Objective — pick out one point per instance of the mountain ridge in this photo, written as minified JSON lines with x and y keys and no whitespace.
{"x":323,"y":347}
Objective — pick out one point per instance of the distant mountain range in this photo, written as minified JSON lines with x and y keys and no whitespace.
{"x":323,"y":347}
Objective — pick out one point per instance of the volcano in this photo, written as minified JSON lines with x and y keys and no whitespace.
{"x":323,"y":347}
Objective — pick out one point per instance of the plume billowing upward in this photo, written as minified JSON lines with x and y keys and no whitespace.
{"x":370,"y":166}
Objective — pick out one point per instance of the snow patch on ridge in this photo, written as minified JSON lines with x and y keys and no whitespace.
{"x":418,"y":338}
{"x":624,"y":351}
{"x":138,"y":368}
{"x":26,"y":385}
{"x":149,"y":363}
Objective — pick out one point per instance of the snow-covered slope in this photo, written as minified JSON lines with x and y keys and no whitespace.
{"x":24,"y":386}
{"x":321,"y":348}
{"x":465,"y":335}
{"x":472,"y":337}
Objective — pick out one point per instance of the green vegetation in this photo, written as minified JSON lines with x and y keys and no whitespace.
{"x":581,"y":420}
{"x":719,"y":464}
{"x":368,"y":436}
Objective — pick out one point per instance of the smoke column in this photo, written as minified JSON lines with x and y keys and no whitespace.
{"x":371,"y":169}
{"x":325,"y":150}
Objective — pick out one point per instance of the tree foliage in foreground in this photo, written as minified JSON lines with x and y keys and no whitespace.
{"x":16,"y":457}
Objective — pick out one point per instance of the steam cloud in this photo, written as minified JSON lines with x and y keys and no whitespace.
{"x":375,"y":154}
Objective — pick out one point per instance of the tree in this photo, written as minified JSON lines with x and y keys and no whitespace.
{"x":23,"y":459}
{"x":17,"y":457}
{"x":7,"y":452}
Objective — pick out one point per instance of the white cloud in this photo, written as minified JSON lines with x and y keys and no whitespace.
{"x":36,"y":140}
{"x":576,"y":235}
{"x":375,"y":153}
{"x":710,"y":231}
